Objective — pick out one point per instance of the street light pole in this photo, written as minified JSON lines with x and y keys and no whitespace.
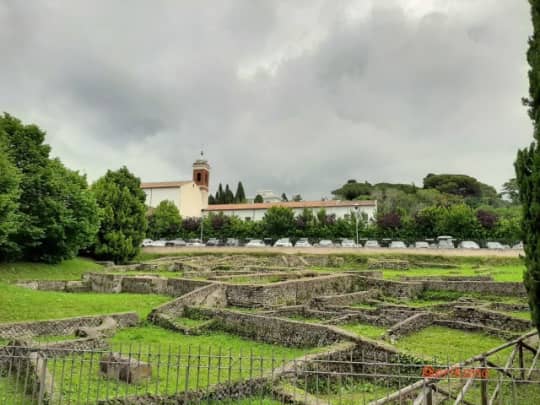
{"x":202,"y":226}
{"x":356,"y":215}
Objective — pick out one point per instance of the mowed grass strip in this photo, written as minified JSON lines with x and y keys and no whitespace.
{"x":508,"y":273}
{"x":442,"y":345}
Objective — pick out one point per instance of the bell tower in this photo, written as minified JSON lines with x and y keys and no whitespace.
{"x":201,"y":177}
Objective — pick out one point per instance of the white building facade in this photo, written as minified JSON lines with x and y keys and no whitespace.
{"x":190,"y":196}
{"x":255,"y":212}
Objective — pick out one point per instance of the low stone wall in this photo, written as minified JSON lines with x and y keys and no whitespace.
{"x":410,"y":325}
{"x":358,"y":297}
{"x":55,"y":285}
{"x":301,"y":310}
{"x":388,"y":264}
{"x":293,"y":292}
{"x":490,"y":318}
{"x":144,"y":284}
{"x":66,"y":326}
{"x":211,"y":295}
{"x":65,"y":348}
{"x":391,"y":288}
{"x":513,"y":289}
{"x":474,"y":327}
{"x":274,"y":330}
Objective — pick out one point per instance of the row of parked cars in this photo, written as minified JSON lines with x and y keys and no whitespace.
{"x":442,"y":242}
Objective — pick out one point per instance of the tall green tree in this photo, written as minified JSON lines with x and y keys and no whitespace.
{"x":284,"y":197}
{"x":229,"y":196}
{"x":58,"y":213}
{"x":528,"y":174}
{"x":240,"y":196}
{"x":123,"y":224}
{"x":220,"y":195}
{"x":9,"y":202}
{"x":278,"y":222}
{"x":164,"y":221}
{"x":258,"y":199}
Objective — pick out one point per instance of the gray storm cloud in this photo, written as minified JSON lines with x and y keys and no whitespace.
{"x":291,"y":96}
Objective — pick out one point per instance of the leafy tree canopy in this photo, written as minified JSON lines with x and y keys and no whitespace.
{"x":164,"y":221}
{"x":123,"y":226}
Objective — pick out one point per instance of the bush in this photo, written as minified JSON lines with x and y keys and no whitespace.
{"x":164,"y":221}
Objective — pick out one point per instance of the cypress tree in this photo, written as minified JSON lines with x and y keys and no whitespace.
{"x":220,"y":196}
{"x":284,"y":197}
{"x":229,"y":196}
{"x":240,"y":196}
{"x":211,"y":200}
{"x":528,"y":174}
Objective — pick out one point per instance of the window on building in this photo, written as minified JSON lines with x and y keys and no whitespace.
{"x":247,"y":219}
{"x":198,"y":177}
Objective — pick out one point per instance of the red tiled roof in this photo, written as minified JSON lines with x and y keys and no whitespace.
{"x":164,"y":184}
{"x":291,"y":204}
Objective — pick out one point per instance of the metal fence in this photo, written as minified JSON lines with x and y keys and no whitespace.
{"x":209,"y":375}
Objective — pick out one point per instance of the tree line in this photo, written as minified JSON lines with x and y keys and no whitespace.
{"x":49,"y":213}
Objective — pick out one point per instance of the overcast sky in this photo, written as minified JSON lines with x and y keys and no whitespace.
{"x":294,"y":96}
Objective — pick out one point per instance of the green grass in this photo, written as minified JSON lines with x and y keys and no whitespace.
{"x":22,"y":304}
{"x":439,"y":344}
{"x":508,"y":273}
{"x":364,"y":329}
{"x":520,"y":314}
{"x":67,"y":270}
{"x":196,"y":362}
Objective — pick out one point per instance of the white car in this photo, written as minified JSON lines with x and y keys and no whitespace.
{"x":303,"y":243}
{"x":255,"y":243}
{"x":494,"y":245}
{"x":468,"y":244}
{"x":146,"y":242}
{"x":158,"y":243}
{"x":195,"y":243}
{"x":372,"y":244}
{"x":421,"y":245}
{"x":175,"y":242}
{"x":283,"y":242}
{"x":325,"y":243}
{"x":397,"y":244}
{"x":445,"y":242}
{"x":518,"y":246}
{"x":348,"y":243}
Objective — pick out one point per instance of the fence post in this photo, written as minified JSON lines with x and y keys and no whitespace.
{"x":484,"y":383}
{"x":521,"y":361}
{"x":42,"y":379}
{"x":429,"y":395}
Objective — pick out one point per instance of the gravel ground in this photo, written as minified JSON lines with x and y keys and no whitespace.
{"x":443,"y":252}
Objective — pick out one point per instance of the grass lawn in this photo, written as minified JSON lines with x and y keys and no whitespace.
{"x":500,"y":273}
{"x":196,"y":362}
{"x":364,"y":329}
{"x":22,"y":304}
{"x":440,"y":344}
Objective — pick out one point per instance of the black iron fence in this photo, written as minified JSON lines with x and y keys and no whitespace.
{"x":196,"y":375}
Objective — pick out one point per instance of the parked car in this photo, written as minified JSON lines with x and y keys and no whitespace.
{"x":255,"y":243}
{"x":494,"y":245}
{"x":468,"y":244}
{"x":422,"y":244}
{"x":445,"y":242}
{"x":213,"y":242}
{"x":303,"y":243}
{"x":326,"y":243}
{"x":372,"y":244}
{"x":397,"y":244}
{"x":348,"y":243}
{"x":158,"y":243}
{"x":146,"y":242}
{"x":194,"y":243}
{"x":518,"y":246}
{"x":232,"y":242}
{"x":283,"y":242}
{"x":176,"y":242}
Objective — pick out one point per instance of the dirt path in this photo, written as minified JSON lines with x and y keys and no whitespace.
{"x":441,"y":252}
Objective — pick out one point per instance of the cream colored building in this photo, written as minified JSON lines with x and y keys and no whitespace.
{"x":255,"y":212}
{"x":190,"y":197}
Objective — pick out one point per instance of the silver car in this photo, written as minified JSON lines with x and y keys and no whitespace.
{"x":372,"y":244}
{"x":468,"y":244}
{"x":348,"y":243}
{"x":283,"y":242}
{"x":255,"y":243}
{"x":397,"y":244}
{"x":176,"y":242}
{"x":325,"y":243}
{"x":495,"y":245}
{"x":445,"y":242}
{"x":421,"y":245}
{"x":303,"y":243}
